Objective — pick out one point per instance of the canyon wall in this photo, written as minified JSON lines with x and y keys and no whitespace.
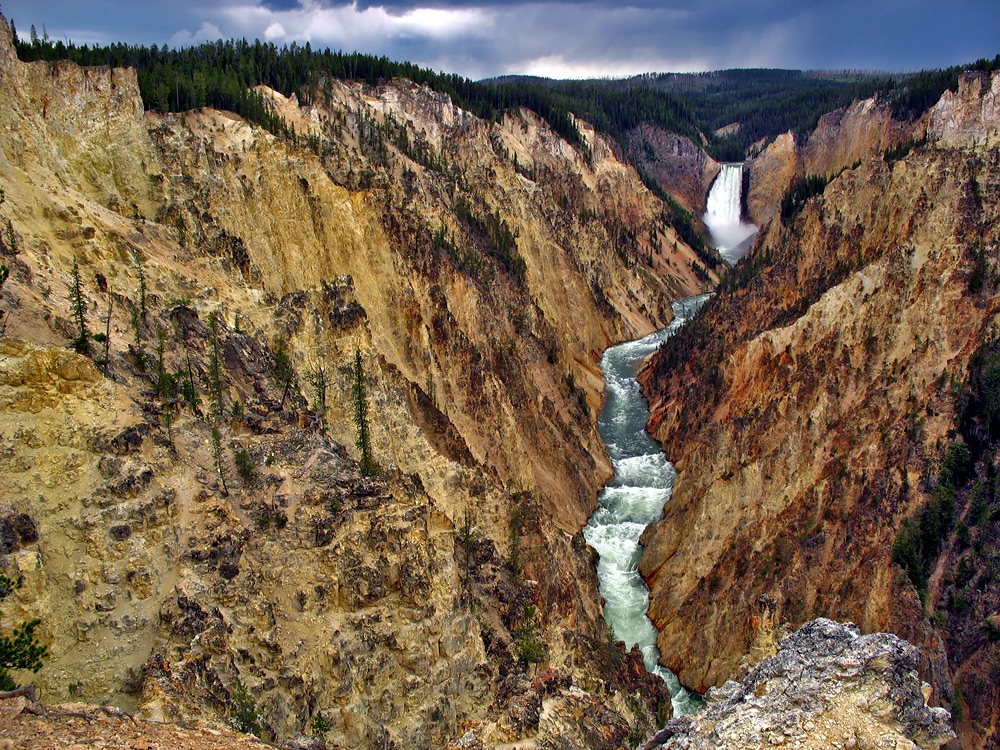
{"x":679,"y":166}
{"x":185,"y":507}
{"x":807,"y":411}
{"x":841,"y":139}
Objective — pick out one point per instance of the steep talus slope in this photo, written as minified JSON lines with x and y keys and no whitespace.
{"x":807,"y":409}
{"x":203,"y":546}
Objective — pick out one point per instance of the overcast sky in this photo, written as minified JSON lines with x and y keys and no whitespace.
{"x":574,"y":39}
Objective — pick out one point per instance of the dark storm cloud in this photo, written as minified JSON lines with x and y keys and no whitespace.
{"x":559,"y":37}
{"x":281,"y":4}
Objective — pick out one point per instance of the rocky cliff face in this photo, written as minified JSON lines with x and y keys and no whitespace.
{"x":851,"y":134}
{"x":806,"y":411}
{"x":969,"y":117}
{"x":770,"y":175}
{"x":679,"y":166}
{"x":203,"y":545}
{"x":841,"y":138}
{"x":422,"y":319}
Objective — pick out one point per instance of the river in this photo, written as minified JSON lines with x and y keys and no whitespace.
{"x":633,"y":498}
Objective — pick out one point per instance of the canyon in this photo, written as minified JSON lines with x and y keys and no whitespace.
{"x":323,"y":473}
{"x":204,"y":545}
{"x":807,"y":410}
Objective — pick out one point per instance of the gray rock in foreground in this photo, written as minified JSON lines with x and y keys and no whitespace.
{"x":828,"y":686}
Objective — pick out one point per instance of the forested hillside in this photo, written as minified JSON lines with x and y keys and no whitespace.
{"x":762,"y":103}
{"x":726,"y":112}
{"x":221,"y":74}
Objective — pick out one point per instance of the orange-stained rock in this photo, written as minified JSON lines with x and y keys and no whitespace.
{"x":809,"y":405}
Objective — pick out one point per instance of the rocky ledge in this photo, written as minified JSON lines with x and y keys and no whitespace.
{"x":828,"y":686}
{"x":24,"y":724}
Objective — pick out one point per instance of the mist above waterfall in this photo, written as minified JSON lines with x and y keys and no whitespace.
{"x":724,"y":216}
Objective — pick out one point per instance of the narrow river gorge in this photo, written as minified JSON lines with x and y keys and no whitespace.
{"x":326,"y":477}
{"x":644,"y":478}
{"x":634,"y":498}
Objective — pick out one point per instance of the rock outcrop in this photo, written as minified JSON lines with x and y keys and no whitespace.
{"x":82,"y":725}
{"x":851,"y":134}
{"x":969,"y":117}
{"x":771,"y":173}
{"x":806,"y":411}
{"x":828,"y":686}
{"x":842,"y":138}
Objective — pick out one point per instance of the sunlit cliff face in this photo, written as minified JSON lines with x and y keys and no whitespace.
{"x":165,"y":573}
{"x":808,"y":409}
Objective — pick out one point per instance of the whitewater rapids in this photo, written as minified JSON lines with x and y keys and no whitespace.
{"x":633,"y":499}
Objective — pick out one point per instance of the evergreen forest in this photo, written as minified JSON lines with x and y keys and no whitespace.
{"x":762,"y":103}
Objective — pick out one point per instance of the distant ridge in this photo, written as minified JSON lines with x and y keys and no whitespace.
{"x":765,"y":102}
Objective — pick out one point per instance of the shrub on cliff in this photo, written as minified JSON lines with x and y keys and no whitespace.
{"x":244,"y":715}
{"x":244,"y":464}
{"x":527,"y":646}
{"x":20,"y":650}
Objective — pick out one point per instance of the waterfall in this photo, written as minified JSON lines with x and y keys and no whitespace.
{"x":723,"y":215}
{"x":633,"y":498}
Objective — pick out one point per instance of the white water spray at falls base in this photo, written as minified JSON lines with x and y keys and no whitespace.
{"x":633,"y":499}
{"x":723,"y":215}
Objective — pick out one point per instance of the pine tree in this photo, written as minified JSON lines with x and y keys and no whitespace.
{"x":215,"y":384}
{"x":215,"y":365}
{"x":188,"y":389}
{"x":4,"y":271}
{"x":284,"y":373}
{"x":11,"y":238}
{"x":369,"y":467}
{"x":79,"y":305}
{"x":107,"y":335}
{"x":166,"y":382}
{"x":139,"y":318}
{"x":4,"y":274}
{"x":317,"y":378}
{"x":181,"y":231}
{"x":219,"y":455}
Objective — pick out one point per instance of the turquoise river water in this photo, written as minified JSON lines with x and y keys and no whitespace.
{"x":633,"y":498}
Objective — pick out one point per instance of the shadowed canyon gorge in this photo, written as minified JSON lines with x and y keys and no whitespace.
{"x":298,"y":430}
